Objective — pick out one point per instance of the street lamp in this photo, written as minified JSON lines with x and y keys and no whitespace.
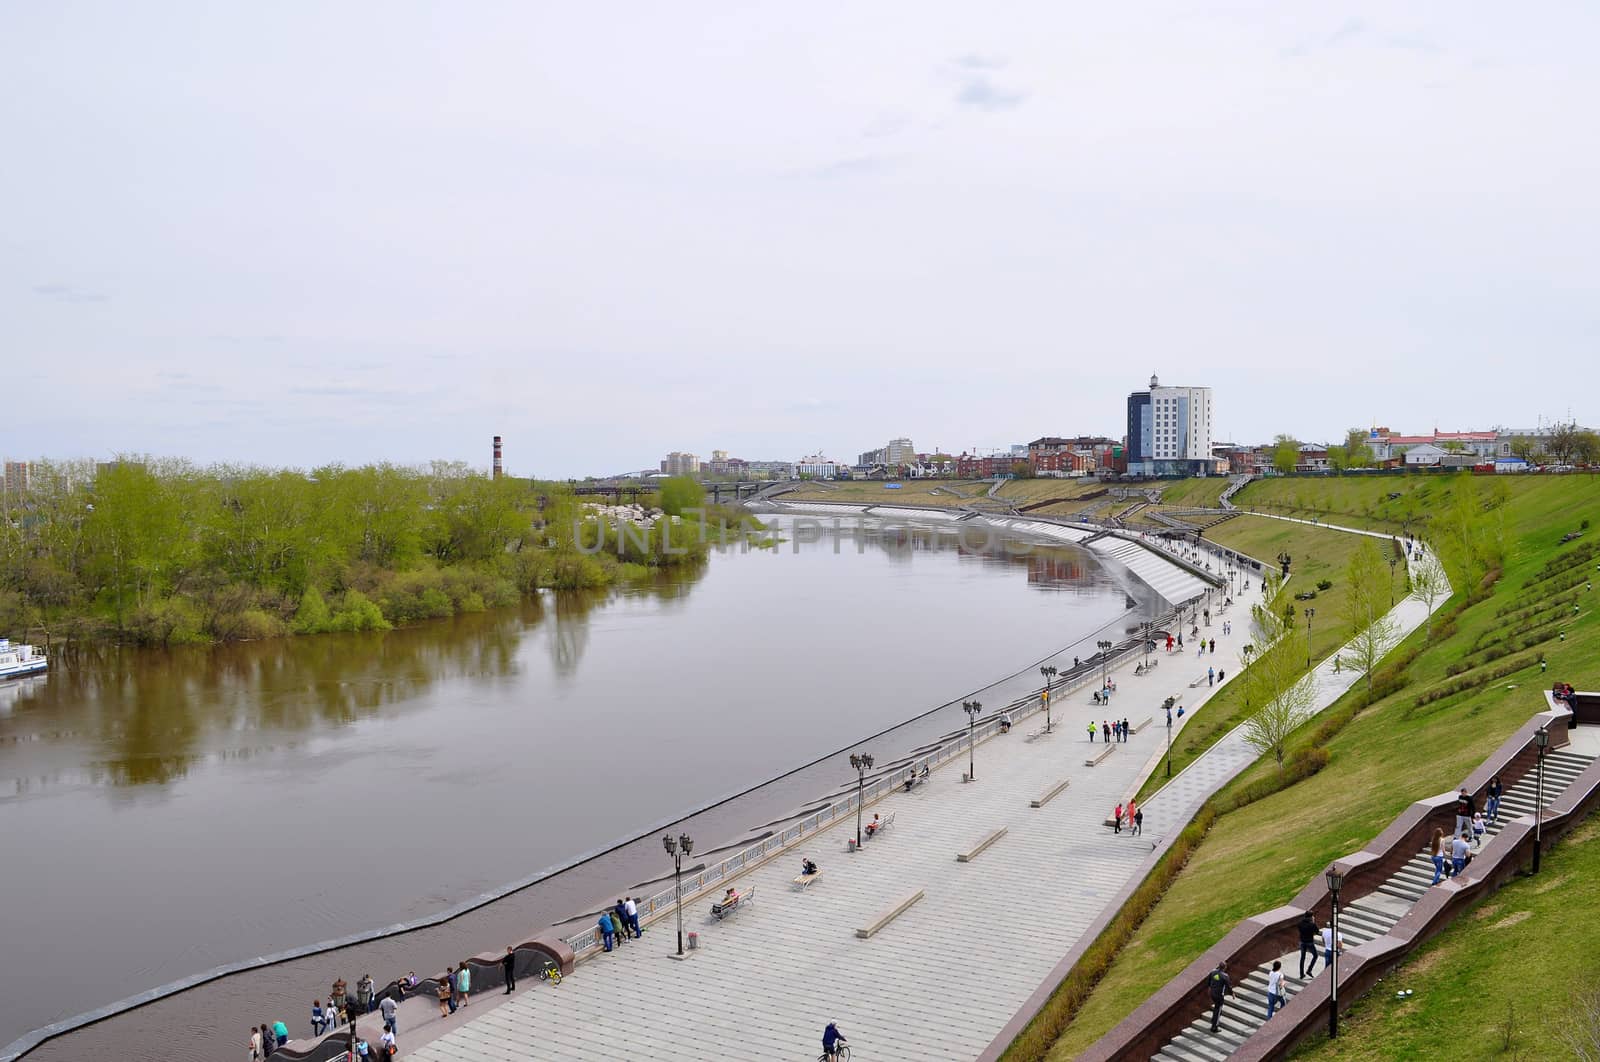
{"x":1393,"y":560}
{"x":1105,"y":648}
{"x":1541,"y":737}
{"x":972,"y":708}
{"x":1335,"y":882}
{"x":862,"y":764}
{"x":1169,"y":741}
{"x":678,"y":848}
{"x":1146,"y":628}
{"x":1049,"y":673}
{"x":1309,"y":613}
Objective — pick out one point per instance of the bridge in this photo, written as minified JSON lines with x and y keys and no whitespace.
{"x":717,"y":490}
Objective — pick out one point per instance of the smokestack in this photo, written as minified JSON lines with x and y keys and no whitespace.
{"x":497,"y":457}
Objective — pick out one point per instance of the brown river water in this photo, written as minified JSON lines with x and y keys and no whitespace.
{"x":166,"y":812}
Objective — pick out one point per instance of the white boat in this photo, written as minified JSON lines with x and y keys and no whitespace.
{"x":17,"y":659}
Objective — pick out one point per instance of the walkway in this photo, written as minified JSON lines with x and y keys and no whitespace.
{"x":990,"y":930}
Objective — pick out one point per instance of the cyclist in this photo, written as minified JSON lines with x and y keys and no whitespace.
{"x":831,"y":1039}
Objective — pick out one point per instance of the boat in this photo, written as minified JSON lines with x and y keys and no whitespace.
{"x":18,"y":659}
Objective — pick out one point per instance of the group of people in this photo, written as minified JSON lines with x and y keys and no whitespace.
{"x":1110,"y":729}
{"x":1133,"y":813}
{"x":1103,"y":694}
{"x":1562,"y":692}
{"x":1451,"y":856}
{"x":621,"y":922}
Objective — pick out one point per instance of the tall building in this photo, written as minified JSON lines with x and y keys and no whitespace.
{"x":899,"y":452}
{"x":680,"y":464}
{"x":1169,"y":430}
{"x":19,"y":477}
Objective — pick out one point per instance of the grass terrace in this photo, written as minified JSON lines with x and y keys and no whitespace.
{"x":910,"y":492}
{"x":1444,"y":701}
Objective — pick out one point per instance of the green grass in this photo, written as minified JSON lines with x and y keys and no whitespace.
{"x":1028,"y":491}
{"x":1318,"y":554}
{"x":1192,"y":493}
{"x":1260,"y":855}
{"x":911,"y":492}
{"x":1518,"y":956}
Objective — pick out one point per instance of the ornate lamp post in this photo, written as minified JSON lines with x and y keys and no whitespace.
{"x":1146,"y":629}
{"x":972,"y":708}
{"x":1310,"y":612}
{"x":1105,"y":648}
{"x":1335,"y":883}
{"x":862,"y":764}
{"x":1049,"y":673}
{"x":678,"y":848}
{"x":1541,"y":738}
{"x":1393,"y":560}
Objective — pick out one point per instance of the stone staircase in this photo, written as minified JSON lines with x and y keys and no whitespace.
{"x":1365,"y":919}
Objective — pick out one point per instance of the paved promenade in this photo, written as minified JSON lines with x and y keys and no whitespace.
{"x":942,"y":980}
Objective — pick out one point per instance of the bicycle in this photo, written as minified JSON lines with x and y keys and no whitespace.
{"x":551,"y":974}
{"x":842,"y":1053}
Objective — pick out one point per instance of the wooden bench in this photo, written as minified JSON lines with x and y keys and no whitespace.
{"x":804,"y":880}
{"x":1037,"y":734}
{"x":972,"y":853}
{"x":1140,"y":726}
{"x":1050,"y":794}
{"x":900,"y":908}
{"x":908,"y":784}
{"x":1099,"y":757}
{"x":721,"y":910}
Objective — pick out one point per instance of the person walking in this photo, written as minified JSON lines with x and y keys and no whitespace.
{"x":450,"y":987}
{"x":1213,"y":645}
{"x":443,"y":992}
{"x":1437,"y":850}
{"x":1478,"y":827}
{"x":1211,"y":676}
{"x":1308,"y":944}
{"x":508,"y":966}
{"x":1091,"y":731}
{"x":1275,"y":996}
{"x":1132,"y":809}
{"x":267,"y":1045}
{"x":1465,"y":806}
{"x":1138,"y":822}
{"x":1329,"y":944}
{"x":255,"y":1044}
{"x":464,"y":982}
{"x":606,"y":929}
{"x":1125,"y":733}
{"x":318,"y":1022}
{"x":1494,"y":792}
{"x":387,"y":1007}
{"x":1220,"y":985}
{"x":1105,"y":730}
{"x":1117,"y":818}
{"x":1459,"y":848}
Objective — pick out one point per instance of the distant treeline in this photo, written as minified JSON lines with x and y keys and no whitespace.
{"x":164,"y":553}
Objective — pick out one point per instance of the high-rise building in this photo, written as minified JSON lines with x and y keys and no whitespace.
{"x":1169,"y":430}
{"x":680,"y":464}
{"x":19,"y":477}
{"x":899,"y":452}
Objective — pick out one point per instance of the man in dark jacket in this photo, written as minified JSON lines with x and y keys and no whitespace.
{"x":1466,"y":807}
{"x":1308,"y":944}
{"x":1220,"y":985}
{"x":509,"y":965}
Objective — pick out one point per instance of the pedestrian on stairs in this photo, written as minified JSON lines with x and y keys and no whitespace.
{"x":1275,"y":994}
{"x":1117,"y":817}
{"x":1220,"y":985}
{"x":1494,"y":793}
{"x":1437,"y":851}
{"x":1308,"y":944}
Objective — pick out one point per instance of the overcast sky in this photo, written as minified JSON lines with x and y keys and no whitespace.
{"x":294,"y":233}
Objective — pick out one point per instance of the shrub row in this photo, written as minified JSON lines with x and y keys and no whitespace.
{"x":1550,"y":605}
{"x":1473,"y":680}
{"x":1542,"y":593}
{"x":1563,"y":563}
{"x":1502,"y":648}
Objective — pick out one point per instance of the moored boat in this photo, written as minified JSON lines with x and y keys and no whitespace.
{"x":17,"y":659}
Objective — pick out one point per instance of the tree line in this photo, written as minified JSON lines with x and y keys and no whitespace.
{"x":165,"y":552}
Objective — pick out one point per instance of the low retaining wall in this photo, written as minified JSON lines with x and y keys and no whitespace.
{"x":1273,"y":933}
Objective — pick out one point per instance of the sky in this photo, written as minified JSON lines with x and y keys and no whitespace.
{"x":297,"y":233}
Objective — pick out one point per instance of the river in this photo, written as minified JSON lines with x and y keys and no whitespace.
{"x":164,"y":812}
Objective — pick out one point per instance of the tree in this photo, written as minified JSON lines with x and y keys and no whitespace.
{"x":1429,"y":584}
{"x":680,"y":494}
{"x":1372,"y":631}
{"x":1277,"y":681}
{"x":1586,"y":448}
{"x":1564,"y":442}
{"x":1357,"y":453}
{"x":1285,"y":454}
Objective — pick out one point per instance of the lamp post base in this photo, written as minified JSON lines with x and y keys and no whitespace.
{"x":685,"y":955}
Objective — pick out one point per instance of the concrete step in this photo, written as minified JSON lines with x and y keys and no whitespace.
{"x":1200,"y":1046}
{"x":1405,"y":892}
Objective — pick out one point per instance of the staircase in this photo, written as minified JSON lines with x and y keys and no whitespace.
{"x":1365,"y":919}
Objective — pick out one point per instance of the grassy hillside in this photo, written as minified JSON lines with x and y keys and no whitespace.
{"x":1464,"y":692}
{"x":910,"y":492}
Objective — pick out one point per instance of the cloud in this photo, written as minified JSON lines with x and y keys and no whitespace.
{"x":886,"y":126}
{"x":974,"y":61}
{"x":1348,"y":31}
{"x":68,"y":293}
{"x":853,"y":166}
{"x":981,"y":92}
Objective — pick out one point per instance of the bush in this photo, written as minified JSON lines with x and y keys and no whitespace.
{"x":1324,"y":584}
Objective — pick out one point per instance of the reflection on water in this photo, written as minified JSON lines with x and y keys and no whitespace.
{"x":211,"y":779}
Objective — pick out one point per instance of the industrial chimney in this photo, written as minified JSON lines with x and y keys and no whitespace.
{"x":497,"y":457}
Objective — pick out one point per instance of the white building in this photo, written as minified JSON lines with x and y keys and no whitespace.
{"x":1169,"y":430}
{"x":899,"y":452}
{"x":817,"y":467}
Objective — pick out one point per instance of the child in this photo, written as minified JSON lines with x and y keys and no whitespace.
{"x":1477,"y":829}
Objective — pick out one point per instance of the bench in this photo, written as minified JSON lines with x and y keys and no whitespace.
{"x":1050,"y":794}
{"x":1201,"y":681}
{"x":804,"y":880}
{"x":1037,"y":734}
{"x":1099,"y":757}
{"x":1147,"y":721}
{"x":869,"y":831}
{"x":909,"y":784}
{"x":900,"y":908}
{"x":972,"y":853}
{"x":721,"y":910}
